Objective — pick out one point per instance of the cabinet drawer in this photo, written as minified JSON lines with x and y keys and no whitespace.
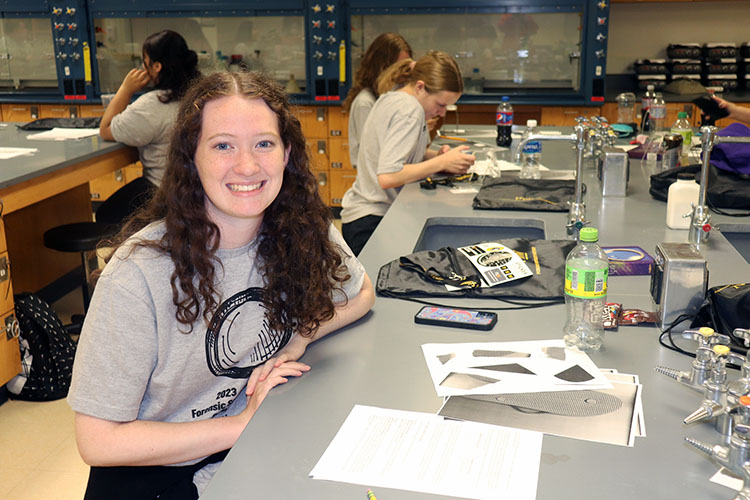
{"x":58,"y":111}
{"x":318,"y":153}
{"x":20,"y":112}
{"x":314,"y":121}
{"x":340,"y":181}
{"x":324,"y":187}
{"x":91,"y":110}
{"x":10,"y":355}
{"x":338,"y":152}
{"x":338,"y":123}
{"x":6,"y":287}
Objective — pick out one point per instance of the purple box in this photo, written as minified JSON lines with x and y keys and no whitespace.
{"x":628,"y":261}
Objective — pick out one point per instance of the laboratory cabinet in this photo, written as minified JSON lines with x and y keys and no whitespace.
{"x":10,"y":354}
{"x":537,"y":50}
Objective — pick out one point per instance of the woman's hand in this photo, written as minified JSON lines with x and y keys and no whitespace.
{"x":135,"y":80}
{"x":456,"y":161}
{"x":275,"y":372}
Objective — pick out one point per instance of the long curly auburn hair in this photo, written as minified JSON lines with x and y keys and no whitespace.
{"x":302,"y":268}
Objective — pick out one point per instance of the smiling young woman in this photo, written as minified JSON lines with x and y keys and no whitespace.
{"x":214,"y":293}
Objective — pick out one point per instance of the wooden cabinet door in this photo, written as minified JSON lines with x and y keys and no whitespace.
{"x":338,"y":123}
{"x":673,"y":108}
{"x":20,"y":112}
{"x":340,"y":181}
{"x":565,"y":116}
{"x":314,"y":121}
{"x":324,"y":188}
{"x":58,"y":111}
{"x":338,"y":153}
{"x":318,"y":153}
{"x":10,"y":354}
{"x":90,"y":110}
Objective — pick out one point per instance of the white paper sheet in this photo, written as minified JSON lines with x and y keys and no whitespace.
{"x":8,"y":153}
{"x":727,"y":478}
{"x":61,"y":134}
{"x":469,"y":368}
{"x":426,"y":453}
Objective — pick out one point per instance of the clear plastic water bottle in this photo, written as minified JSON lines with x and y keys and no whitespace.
{"x":658,"y":114}
{"x":682,"y":126}
{"x":504,"y":120}
{"x":531,"y":155}
{"x":646,"y":101}
{"x":586,"y":271}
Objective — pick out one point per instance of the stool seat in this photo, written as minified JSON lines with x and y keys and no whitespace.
{"x":78,"y":236}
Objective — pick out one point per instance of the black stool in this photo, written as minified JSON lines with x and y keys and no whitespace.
{"x":80,"y":237}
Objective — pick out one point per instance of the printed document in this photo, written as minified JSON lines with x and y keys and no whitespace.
{"x":427,"y":453}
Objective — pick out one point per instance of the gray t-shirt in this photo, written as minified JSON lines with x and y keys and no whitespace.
{"x":134,"y":361}
{"x":358,"y":113}
{"x":147,"y":124}
{"x":395,"y":135}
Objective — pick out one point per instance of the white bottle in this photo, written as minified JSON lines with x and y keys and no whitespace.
{"x":681,"y":197}
{"x":531,"y":154}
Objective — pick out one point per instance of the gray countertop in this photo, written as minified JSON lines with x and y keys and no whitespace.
{"x":378,"y":361}
{"x":51,"y":155}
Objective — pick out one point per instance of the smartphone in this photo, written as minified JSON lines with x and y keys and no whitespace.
{"x":457,"y":318}
{"x":710,"y":107}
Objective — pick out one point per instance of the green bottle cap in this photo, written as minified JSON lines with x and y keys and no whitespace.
{"x":682,"y":114}
{"x":589,"y":234}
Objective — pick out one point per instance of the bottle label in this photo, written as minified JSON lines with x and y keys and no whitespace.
{"x":533,"y":147}
{"x":586,"y":283}
{"x":504,"y":117}
{"x":658,"y":111}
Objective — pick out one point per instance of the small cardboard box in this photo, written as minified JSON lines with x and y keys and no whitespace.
{"x":628,"y":261}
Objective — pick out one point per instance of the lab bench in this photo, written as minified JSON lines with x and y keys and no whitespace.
{"x":378,"y":361}
{"x":38,"y":192}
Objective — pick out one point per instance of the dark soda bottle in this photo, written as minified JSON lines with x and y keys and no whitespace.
{"x":504,"y":120}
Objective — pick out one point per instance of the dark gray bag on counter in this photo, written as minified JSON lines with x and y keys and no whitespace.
{"x":425,"y":273}
{"x":540,"y":195}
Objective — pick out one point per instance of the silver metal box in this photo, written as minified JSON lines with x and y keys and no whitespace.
{"x":614,"y":172}
{"x":679,"y":279}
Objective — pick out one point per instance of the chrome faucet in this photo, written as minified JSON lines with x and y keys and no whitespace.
{"x":577,"y":213}
{"x":700,"y":225}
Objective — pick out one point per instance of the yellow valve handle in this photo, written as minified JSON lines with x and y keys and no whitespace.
{"x":721,"y":350}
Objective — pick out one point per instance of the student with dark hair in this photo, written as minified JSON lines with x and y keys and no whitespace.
{"x":147,"y":123}
{"x":214,"y":292}
{"x":385,"y":50}
{"x":395,"y":139}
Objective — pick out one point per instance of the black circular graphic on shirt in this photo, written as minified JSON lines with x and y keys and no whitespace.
{"x":494,"y":259}
{"x":225,"y":339}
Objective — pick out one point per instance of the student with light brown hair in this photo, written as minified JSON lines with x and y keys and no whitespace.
{"x":385,"y":50}
{"x":394,"y":144}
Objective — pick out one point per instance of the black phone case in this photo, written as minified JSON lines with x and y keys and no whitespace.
{"x":710,"y":107}
{"x":457,"y":324}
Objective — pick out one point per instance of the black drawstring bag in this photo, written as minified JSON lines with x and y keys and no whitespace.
{"x":725,"y":308}
{"x":425,"y":273}
{"x":50,"y":123}
{"x":540,"y":195}
{"x":725,"y":189}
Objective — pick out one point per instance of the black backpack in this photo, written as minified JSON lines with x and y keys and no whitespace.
{"x":47,"y":352}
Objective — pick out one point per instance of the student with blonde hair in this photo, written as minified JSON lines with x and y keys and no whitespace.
{"x":394,"y":144}
{"x":385,"y":50}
